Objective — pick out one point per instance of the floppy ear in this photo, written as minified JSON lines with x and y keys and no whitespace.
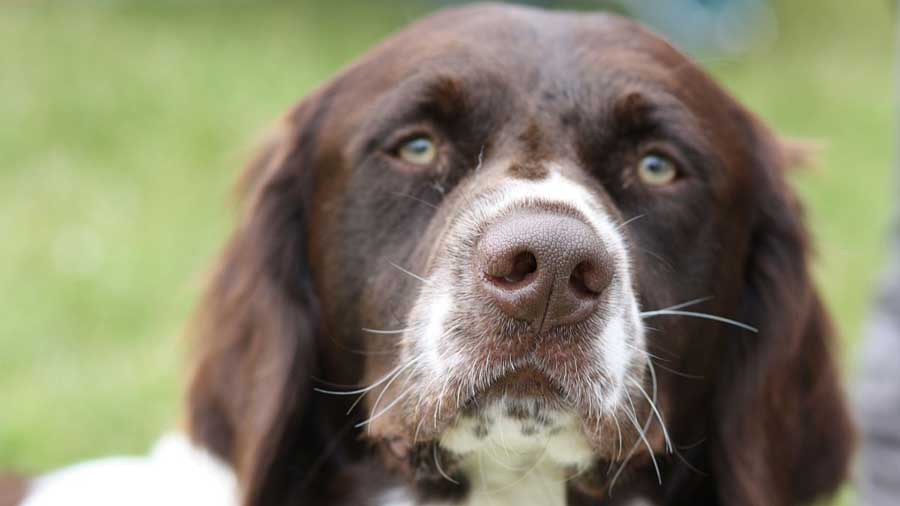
{"x":783,"y":432}
{"x":254,"y":338}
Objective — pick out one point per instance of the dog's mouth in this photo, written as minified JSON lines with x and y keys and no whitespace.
{"x":527,"y":383}
{"x":554,"y":375}
{"x":523,"y":413}
{"x":551,"y":402}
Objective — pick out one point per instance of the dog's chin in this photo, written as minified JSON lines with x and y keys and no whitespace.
{"x":525,"y":418}
{"x":540,"y":405}
{"x":523,"y":413}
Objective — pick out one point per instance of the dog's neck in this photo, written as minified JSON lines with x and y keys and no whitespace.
{"x":499,"y":477}
{"x":502,"y":477}
{"x":514,"y":453}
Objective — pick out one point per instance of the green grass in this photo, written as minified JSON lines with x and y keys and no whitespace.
{"x":123,"y":125}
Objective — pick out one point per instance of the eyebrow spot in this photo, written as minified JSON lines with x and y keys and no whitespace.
{"x":531,"y":138}
{"x":448,"y":95}
{"x":534,"y":152}
{"x":532,"y":170}
{"x":632,"y":109}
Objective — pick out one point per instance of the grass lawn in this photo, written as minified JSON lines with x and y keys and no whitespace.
{"x":124,"y":123}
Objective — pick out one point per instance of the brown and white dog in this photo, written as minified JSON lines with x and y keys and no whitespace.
{"x":517,"y":257}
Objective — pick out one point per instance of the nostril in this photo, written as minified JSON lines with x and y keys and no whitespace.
{"x":587,"y":280}
{"x":524,"y":264}
{"x":521,"y":266}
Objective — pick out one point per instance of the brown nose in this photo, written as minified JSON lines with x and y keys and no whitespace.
{"x":547,"y":269}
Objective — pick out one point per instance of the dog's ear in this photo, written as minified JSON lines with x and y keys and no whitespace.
{"x":254,"y":338}
{"x":783,"y":432}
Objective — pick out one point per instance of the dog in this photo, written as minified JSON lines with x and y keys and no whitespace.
{"x":513,"y":256}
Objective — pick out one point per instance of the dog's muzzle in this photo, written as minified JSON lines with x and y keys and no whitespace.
{"x":544,"y":268}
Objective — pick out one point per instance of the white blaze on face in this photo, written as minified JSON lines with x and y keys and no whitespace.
{"x":496,"y":449}
{"x":434,"y":330}
{"x":611,"y":349}
{"x":439,"y":298}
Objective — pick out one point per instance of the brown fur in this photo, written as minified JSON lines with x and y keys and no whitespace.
{"x":767,"y":426}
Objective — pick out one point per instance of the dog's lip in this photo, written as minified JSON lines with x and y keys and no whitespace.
{"x":524,"y":382}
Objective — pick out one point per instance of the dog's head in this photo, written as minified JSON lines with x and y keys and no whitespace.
{"x":511,"y":229}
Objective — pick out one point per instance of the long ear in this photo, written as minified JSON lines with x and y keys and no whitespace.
{"x":254,"y":339}
{"x":784,"y":435}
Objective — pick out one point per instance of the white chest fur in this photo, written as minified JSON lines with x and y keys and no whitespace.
{"x":515,"y":453}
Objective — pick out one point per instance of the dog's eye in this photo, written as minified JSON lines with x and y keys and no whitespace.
{"x":656,"y":170}
{"x":418,"y":150}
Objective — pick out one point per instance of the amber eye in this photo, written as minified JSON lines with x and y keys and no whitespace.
{"x":418,"y":150}
{"x":656,"y":170}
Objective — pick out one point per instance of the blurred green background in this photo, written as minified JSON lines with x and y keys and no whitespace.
{"x":122,"y":125}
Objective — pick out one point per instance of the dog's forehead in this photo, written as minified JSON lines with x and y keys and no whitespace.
{"x":514,"y":63}
{"x":524,"y":43}
{"x":529,"y":30}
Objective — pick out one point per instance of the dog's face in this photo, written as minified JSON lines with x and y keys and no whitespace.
{"x":501,"y":210}
{"x":546,"y":233}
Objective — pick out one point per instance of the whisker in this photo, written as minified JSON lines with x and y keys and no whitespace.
{"x":656,"y":412}
{"x":682,"y":305}
{"x":348,"y":349}
{"x":386,"y":408}
{"x":652,"y":377}
{"x":629,"y":220}
{"x":619,"y":431}
{"x":383,"y":391}
{"x":328,"y":451}
{"x":693,"y":445}
{"x":437,"y":463}
{"x":331,"y":383}
{"x":628,"y":457}
{"x":643,"y":435}
{"x":401,"y":269}
{"x":720,"y":319}
{"x":574,"y":476}
{"x":689,"y":465}
{"x":679,"y":373}
{"x":659,"y":257}
{"x":673,"y":448}
{"x":384,"y":378}
{"x":416,"y":434}
{"x":459,"y":395}
{"x":440,"y":402}
{"x":643,"y":351}
{"x":503,"y":442}
{"x":621,"y":469}
{"x":417,"y":199}
{"x":379,"y":331}
{"x":609,"y":469}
